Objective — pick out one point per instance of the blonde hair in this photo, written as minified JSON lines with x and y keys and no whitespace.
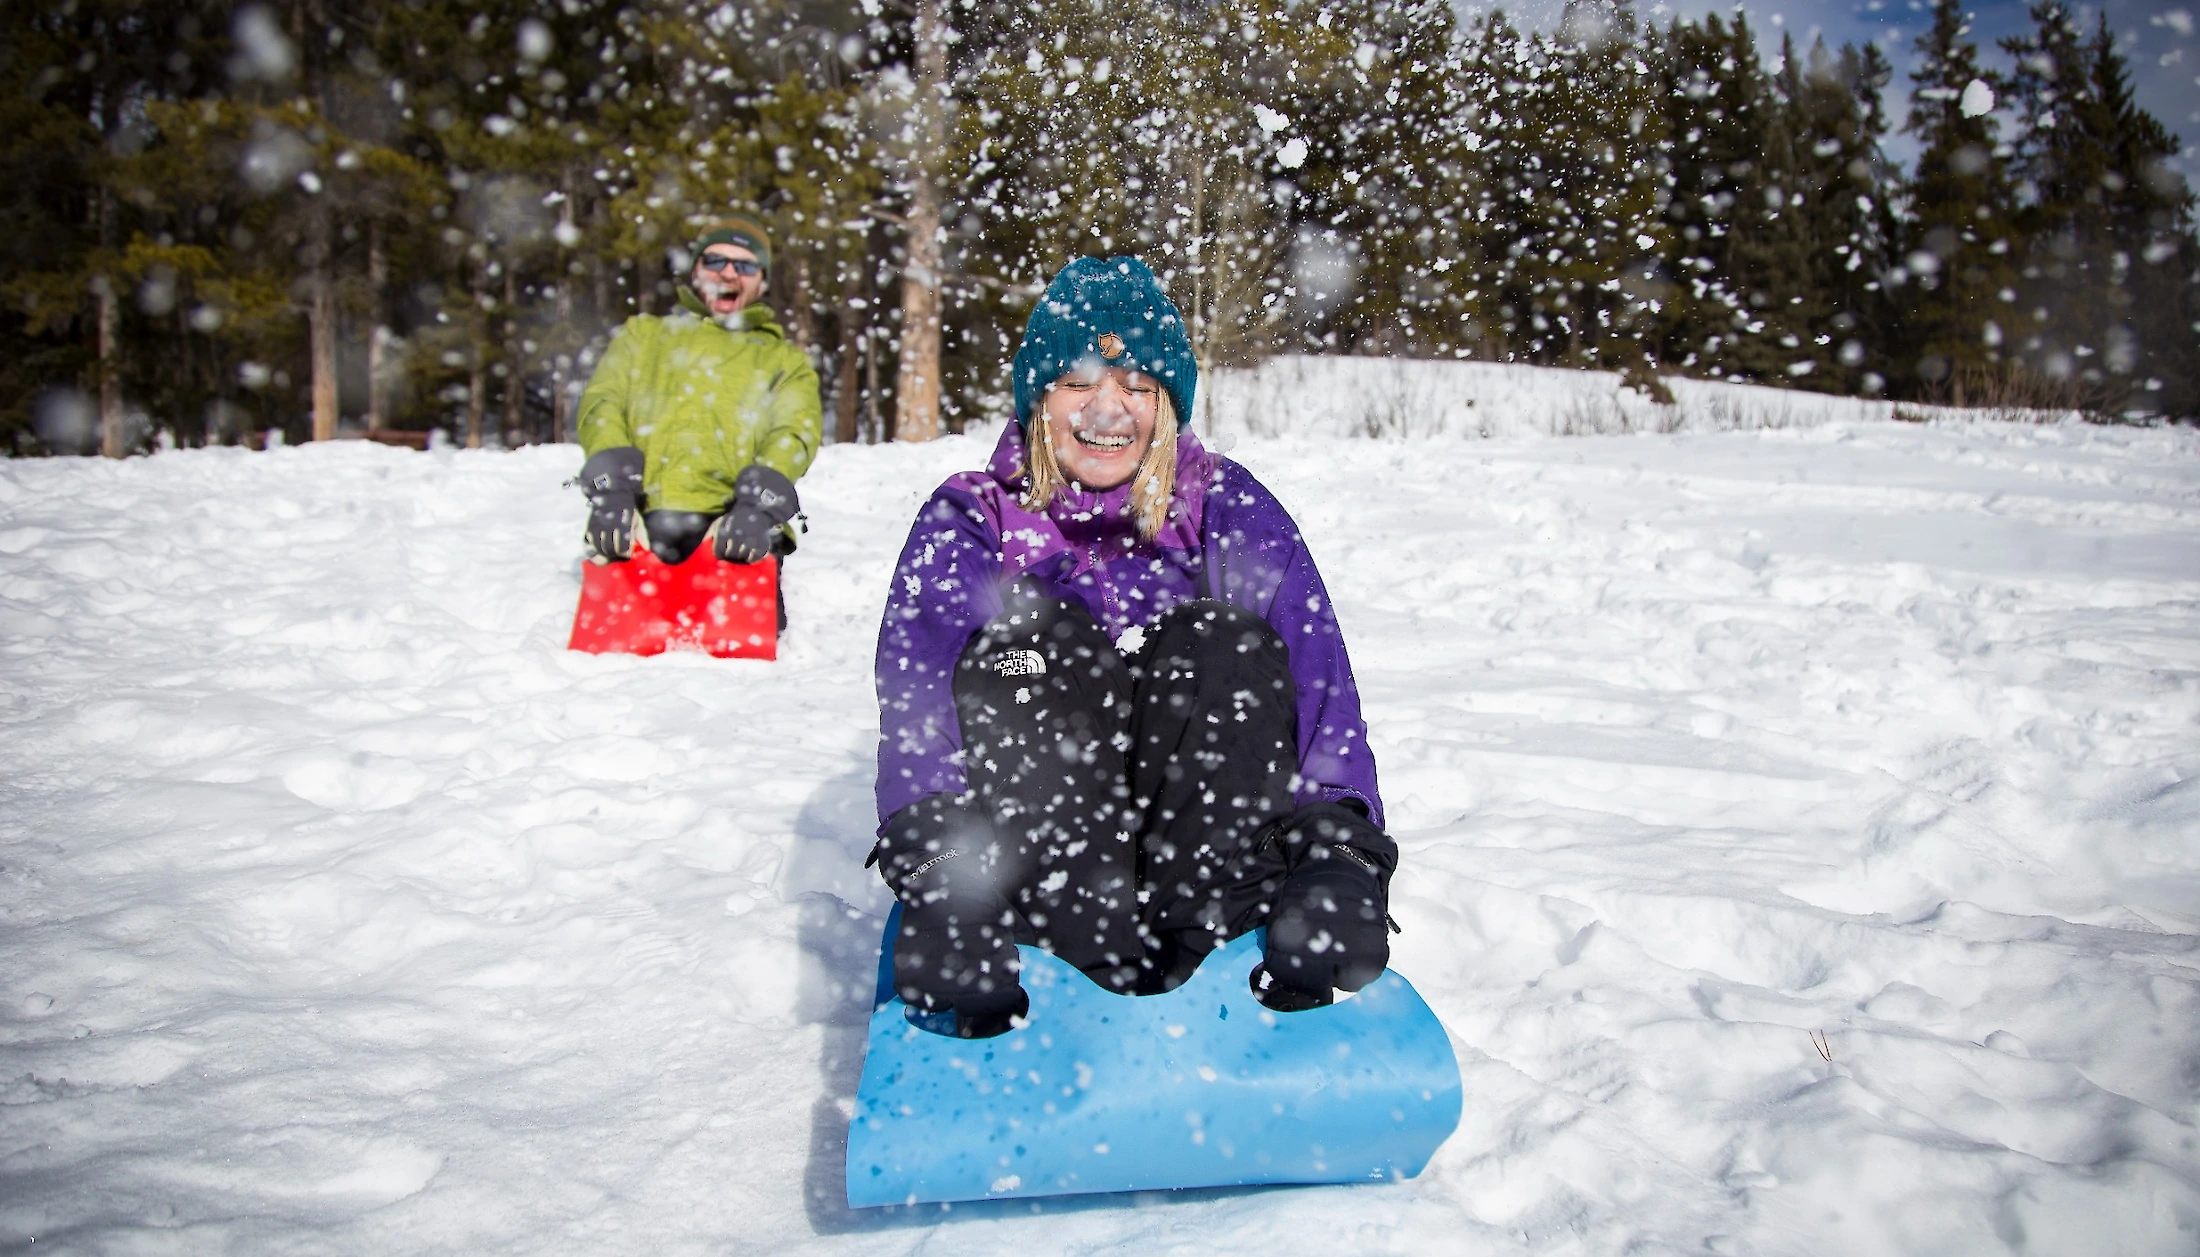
{"x":1153,"y":485}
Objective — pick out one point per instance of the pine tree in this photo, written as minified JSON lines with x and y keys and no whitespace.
{"x":1737,"y":254}
{"x":1775,"y":249}
{"x":1959,"y":270}
{"x":1212,"y":156}
{"x":827,"y":178}
{"x":2156,"y":286}
{"x":89,"y":293}
{"x":1501,"y":85}
{"x":1842,"y":180}
{"x":1583,"y":194}
{"x":2108,"y":225}
{"x":1387,"y":161}
{"x":1714,"y":100}
{"x":47,"y":232}
{"x":1168,"y":143}
{"x":435,"y":211}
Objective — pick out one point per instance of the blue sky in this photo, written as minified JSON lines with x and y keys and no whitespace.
{"x":2160,"y":37}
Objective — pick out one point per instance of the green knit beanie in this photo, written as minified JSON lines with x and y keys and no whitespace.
{"x":742,"y":230}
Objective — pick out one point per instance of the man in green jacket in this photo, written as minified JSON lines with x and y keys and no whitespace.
{"x":697,"y":424}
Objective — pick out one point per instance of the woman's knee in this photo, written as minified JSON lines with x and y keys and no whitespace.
{"x":1208,"y":629}
{"x":1027,"y":636}
{"x":1206,"y":653}
{"x":1041,"y":664}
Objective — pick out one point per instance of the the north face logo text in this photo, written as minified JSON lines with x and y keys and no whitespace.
{"x":1022,"y":663}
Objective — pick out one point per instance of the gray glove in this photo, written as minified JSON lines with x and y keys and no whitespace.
{"x":763,"y":502}
{"x":612,"y":479}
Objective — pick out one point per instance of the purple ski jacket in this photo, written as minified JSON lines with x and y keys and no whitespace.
{"x":1227,"y":537}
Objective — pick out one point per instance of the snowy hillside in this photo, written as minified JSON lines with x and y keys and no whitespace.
{"x":343,"y":911}
{"x":1404,"y":397}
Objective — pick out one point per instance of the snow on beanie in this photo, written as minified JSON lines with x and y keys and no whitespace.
{"x":1109,"y":311}
{"x":742,"y":230}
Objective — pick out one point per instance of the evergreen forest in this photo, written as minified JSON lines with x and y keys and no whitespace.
{"x":315,"y":218}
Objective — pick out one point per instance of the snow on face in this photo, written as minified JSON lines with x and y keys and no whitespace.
{"x":346,"y":910}
{"x":725,"y":291}
{"x":1100,"y":423}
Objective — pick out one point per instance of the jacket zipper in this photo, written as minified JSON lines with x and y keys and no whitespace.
{"x":1107,"y":591}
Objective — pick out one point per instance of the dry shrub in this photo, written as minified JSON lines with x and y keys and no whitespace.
{"x":1395,"y":404}
{"x":1606,"y":414}
{"x":1720,"y":412}
{"x":2012,"y":392}
{"x":1589,"y":414}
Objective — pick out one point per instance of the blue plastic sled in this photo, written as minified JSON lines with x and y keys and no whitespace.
{"x":1200,"y":1087}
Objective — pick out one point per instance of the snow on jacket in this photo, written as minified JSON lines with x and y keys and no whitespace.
{"x":702,"y":401}
{"x":1226,"y":537}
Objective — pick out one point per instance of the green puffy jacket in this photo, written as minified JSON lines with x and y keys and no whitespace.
{"x":702,"y":401}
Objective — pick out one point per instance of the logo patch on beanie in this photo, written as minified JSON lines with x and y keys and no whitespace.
{"x":1111,"y":345}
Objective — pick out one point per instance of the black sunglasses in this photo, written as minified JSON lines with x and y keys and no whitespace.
{"x":715,"y":262}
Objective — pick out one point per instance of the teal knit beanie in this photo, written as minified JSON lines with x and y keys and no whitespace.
{"x":1108,"y":312}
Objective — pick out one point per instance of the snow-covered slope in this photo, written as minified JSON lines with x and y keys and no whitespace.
{"x":1401,"y":397}
{"x":341,"y":910}
{"x":1420,"y":397}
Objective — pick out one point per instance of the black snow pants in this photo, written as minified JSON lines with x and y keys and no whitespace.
{"x":1131,"y":796}
{"x":674,"y":535}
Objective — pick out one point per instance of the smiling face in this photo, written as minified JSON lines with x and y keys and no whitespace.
{"x":725,"y":290}
{"x":1100,"y":423}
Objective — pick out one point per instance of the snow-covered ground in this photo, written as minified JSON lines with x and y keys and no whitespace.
{"x":1400,"y":397}
{"x":343,"y":911}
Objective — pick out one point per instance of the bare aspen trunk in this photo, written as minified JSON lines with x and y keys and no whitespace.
{"x":321,"y":323}
{"x":108,"y":312}
{"x":1200,"y":262}
{"x":917,"y":384}
{"x":845,"y":386}
{"x":477,"y":401}
{"x":514,"y":384}
{"x":324,"y":359}
{"x":378,"y":331}
{"x":801,"y":317}
{"x":1202,"y":312}
{"x":111,"y":439}
{"x":477,"y":377}
{"x":871,"y":411}
{"x":558,"y":386}
{"x":561,"y":363}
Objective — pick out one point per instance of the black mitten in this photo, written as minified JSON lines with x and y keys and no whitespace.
{"x":957,"y":947}
{"x":763,"y":502}
{"x":1329,"y":926}
{"x":612,"y":479}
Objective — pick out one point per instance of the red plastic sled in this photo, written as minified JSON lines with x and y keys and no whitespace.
{"x":646,"y":607}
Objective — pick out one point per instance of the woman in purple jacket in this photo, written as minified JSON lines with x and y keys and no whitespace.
{"x":1117,"y":718}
